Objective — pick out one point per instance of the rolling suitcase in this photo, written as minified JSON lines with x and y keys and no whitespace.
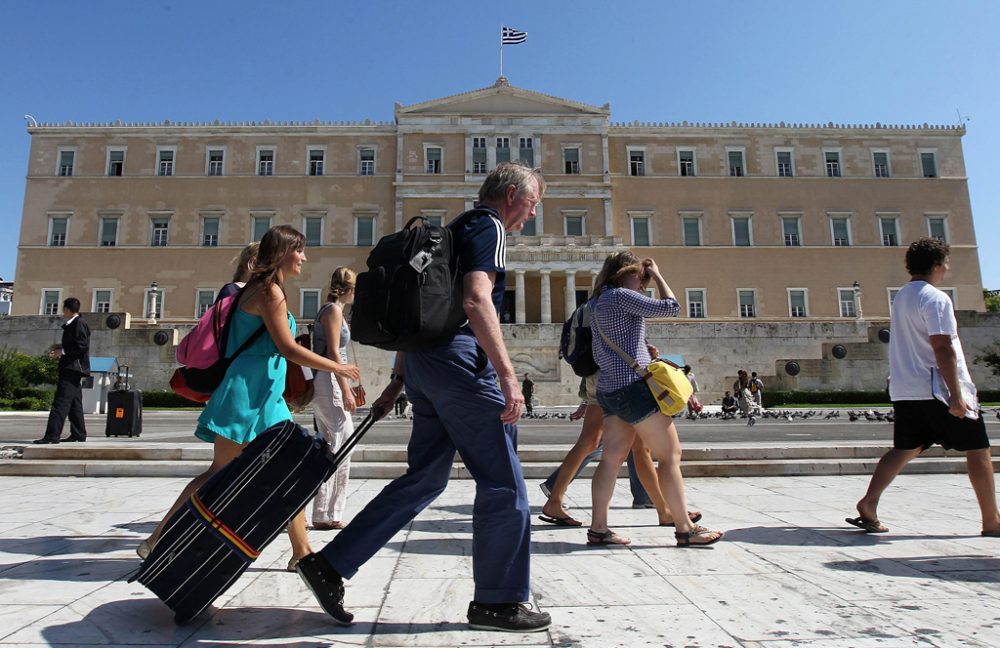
{"x":224,"y":526}
{"x":124,"y":413}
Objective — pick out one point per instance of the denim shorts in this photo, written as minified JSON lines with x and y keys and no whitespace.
{"x":632,"y":404}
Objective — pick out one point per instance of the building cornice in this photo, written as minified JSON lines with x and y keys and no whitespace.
{"x":697,"y":129}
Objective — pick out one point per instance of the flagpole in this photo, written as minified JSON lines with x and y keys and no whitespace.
{"x":501,"y":50}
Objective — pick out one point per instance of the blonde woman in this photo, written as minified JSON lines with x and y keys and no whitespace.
{"x":619,"y":309}
{"x":333,"y":402}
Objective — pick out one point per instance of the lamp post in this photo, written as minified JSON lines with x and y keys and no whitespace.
{"x":857,"y":300}
{"x":152,"y":302}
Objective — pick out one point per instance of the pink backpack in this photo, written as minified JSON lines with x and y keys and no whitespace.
{"x":202,"y":347}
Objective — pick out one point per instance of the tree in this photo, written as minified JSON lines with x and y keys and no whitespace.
{"x":991,"y":357}
{"x":992,"y":299}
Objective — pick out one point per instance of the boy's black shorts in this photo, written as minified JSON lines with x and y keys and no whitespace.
{"x":922,"y":423}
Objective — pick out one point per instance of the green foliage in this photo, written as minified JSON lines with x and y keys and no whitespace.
{"x":34,"y":392}
{"x":167,"y":399}
{"x":20,"y":370}
{"x":992,"y":299}
{"x":991,"y":358}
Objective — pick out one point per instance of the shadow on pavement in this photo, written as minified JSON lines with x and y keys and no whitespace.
{"x":69,"y":544}
{"x":69,"y":569}
{"x":125,"y":622}
{"x":961,"y":568}
{"x":792,"y":536}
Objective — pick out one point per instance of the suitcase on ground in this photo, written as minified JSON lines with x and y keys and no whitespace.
{"x":224,"y":526}
{"x":124,"y":413}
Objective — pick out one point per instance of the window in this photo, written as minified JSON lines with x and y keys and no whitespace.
{"x":928,"y":164}
{"x":791,"y":231}
{"x":317,"y":159}
{"x":748,"y":303}
{"x":265,"y":162}
{"x":692,"y":230}
{"x":636,"y":162}
{"x":686,"y":162}
{"x":937,"y":228}
{"x":784,"y":160}
{"x":526,"y":146}
{"x":848,"y":304}
{"x":116,"y":161}
{"x":203,"y":301}
{"x":161,"y":232}
{"x":260,"y":226}
{"x":153,"y":303}
{"x":432,"y":158}
{"x":640,"y":230}
{"x":696,"y":302}
{"x":102,"y":300}
{"x":571,"y":161}
{"x":165,"y":162}
{"x":210,"y":231}
{"x":434,"y":216}
{"x":890,"y":231}
{"x":366,"y":161}
{"x":736,"y":163}
{"x":530,"y":228}
{"x":109,"y":232}
{"x":841,"y":232}
{"x":216,"y":161}
{"x":574,"y":224}
{"x":479,"y":155}
{"x":66,"y":160}
{"x":797,"y":302}
{"x":892,"y":296}
{"x":313,"y":229}
{"x":880,"y":163}
{"x":309,"y":303}
{"x":503,"y":150}
{"x":51,"y":302}
{"x":364,"y":231}
{"x":741,"y":231}
{"x":58,"y":230}
{"x":951,"y":295}
{"x":832,"y":163}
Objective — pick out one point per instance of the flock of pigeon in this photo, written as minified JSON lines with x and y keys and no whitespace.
{"x":787,"y":415}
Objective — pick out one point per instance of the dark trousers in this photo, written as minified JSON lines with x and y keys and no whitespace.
{"x":68,"y":401}
{"x":456,"y":406}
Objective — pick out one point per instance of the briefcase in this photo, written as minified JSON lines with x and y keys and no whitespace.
{"x":124,"y":413}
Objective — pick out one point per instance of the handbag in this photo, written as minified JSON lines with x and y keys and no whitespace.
{"x":299,"y":388}
{"x":360,"y":397}
{"x":667,"y":382}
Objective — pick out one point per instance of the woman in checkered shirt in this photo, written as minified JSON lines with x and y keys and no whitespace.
{"x":620,"y":307}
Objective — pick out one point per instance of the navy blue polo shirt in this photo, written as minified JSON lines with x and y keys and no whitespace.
{"x":480,"y":242}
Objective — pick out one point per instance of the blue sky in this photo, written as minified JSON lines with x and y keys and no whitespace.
{"x":847,"y":62}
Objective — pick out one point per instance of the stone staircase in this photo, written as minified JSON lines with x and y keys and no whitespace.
{"x":389,"y":461}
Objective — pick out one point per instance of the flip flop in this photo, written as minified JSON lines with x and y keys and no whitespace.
{"x":694,"y":516}
{"x":608,"y":537}
{"x":868,"y":526}
{"x":560,"y":521}
{"x":990,"y":534}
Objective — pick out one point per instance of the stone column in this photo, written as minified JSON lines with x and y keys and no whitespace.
{"x":570,"y":292}
{"x":546,"y":297}
{"x":519,"y":316}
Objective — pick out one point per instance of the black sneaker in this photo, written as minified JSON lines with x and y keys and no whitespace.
{"x":326,"y":585}
{"x":507,"y":617}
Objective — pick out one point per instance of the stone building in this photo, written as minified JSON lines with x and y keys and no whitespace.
{"x":748,"y":221}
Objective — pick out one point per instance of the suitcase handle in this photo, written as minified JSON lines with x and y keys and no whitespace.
{"x":342,"y":453}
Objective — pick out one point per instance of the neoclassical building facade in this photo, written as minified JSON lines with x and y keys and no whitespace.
{"x":747,"y":221}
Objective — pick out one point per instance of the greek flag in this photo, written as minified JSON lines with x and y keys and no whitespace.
{"x":509,"y":36}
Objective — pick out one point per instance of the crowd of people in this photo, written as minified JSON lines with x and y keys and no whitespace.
{"x":466,"y":397}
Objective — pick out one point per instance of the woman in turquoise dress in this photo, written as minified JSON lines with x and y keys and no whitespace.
{"x":249,"y":399}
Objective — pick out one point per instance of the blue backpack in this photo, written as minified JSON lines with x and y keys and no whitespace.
{"x":576,"y":342}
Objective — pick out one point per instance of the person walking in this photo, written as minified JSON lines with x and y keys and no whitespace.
{"x":244,"y":270}
{"x":74,"y":365}
{"x":693,"y":404}
{"x":249,"y":401}
{"x":933,"y":397}
{"x":630,"y":408}
{"x":465,"y":397}
{"x":757,"y":389}
{"x":528,"y":390}
{"x":333,"y":399}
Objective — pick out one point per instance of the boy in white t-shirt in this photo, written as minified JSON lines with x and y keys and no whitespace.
{"x":932,"y":394}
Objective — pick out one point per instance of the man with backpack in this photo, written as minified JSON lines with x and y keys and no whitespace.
{"x":458,"y":405}
{"x":757,"y":389}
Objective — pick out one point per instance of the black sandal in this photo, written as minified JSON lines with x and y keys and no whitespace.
{"x":608,"y":537}
{"x":684,"y":539}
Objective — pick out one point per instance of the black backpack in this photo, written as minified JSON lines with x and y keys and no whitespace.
{"x":410,"y":298}
{"x":576,"y":342}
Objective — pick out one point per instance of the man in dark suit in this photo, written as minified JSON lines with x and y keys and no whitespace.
{"x":74,"y":364}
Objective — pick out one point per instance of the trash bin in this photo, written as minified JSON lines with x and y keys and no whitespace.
{"x":95,"y":394}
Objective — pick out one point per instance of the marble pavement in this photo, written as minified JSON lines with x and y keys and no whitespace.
{"x":790,"y":572}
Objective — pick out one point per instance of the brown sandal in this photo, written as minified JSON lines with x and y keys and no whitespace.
{"x":684,"y":539}
{"x":608,"y":537}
